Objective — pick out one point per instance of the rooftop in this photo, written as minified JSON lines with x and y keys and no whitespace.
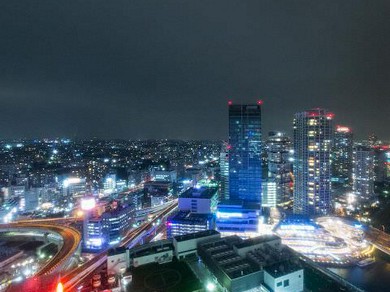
{"x":196,"y":235}
{"x":223,"y":255}
{"x":188,"y":217}
{"x":257,"y":240}
{"x":239,"y":204}
{"x":152,"y":249}
{"x":116,"y":250}
{"x":201,"y":193}
{"x":282,"y":268}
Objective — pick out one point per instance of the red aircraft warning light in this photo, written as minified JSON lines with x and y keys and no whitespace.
{"x":260,"y":102}
{"x":330,"y":116}
{"x":230,"y":102}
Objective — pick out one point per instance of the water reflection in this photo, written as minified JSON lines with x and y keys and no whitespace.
{"x":375,"y":277}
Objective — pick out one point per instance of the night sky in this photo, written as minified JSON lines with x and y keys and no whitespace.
{"x":165,"y":69}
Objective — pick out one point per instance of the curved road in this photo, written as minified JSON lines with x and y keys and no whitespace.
{"x":71,"y":240}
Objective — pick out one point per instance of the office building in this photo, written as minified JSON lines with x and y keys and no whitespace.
{"x":110,"y":183}
{"x":197,"y":207}
{"x":279,"y":149}
{"x":238,"y":218}
{"x":163,"y":175}
{"x":184,"y":222}
{"x":74,"y":186}
{"x":313,"y":133}
{"x":94,"y":237}
{"x":108,"y":228}
{"x":201,"y":200}
{"x":381,"y":163}
{"x":363,"y":173}
{"x":269,"y":193}
{"x":117,"y":220}
{"x":224,"y":172}
{"x":245,"y":170}
{"x":342,"y":155}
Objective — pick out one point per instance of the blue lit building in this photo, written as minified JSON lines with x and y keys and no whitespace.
{"x":109,"y":228}
{"x":313,"y":134}
{"x":116,"y":222}
{"x":238,"y":217}
{"x":245,"y":169}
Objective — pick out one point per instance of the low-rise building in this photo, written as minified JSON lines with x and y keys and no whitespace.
{"x":117,"y":260}
{"x":237,"y":217}
{"x":185,"y":222}
{"x":187,"y":244}
{"x":202,"y":200}
{"x":158,"y":252}
{"x":284,"y":277}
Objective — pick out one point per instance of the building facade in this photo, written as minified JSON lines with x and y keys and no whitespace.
{"x":342,"y":155}
{"x":245,"y":170}
{"x":363,"y":173}
{"x":224,"y":172}
{"x":313,"y":133}
{"x":279,"y":148}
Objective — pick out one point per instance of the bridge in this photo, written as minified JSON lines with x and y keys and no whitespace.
{"x":379,"y":239}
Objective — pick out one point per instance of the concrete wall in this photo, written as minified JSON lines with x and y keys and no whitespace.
{"x":195,"y":205}
{"x":185,"y":247}
{"x":273,"y":243}
{"x":160,"y":257}
{"x":117,"y":263}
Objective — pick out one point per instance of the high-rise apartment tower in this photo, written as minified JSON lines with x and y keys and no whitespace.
{"x":313,"y":132}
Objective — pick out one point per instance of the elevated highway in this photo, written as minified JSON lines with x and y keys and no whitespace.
{"x":76,"y":277}
{"x":50,"y":274}
{"x":71,"y":239}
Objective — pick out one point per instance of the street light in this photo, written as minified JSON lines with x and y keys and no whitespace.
{"x":210,"y":286}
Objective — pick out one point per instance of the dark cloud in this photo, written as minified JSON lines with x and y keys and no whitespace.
{"x":153,"y":69}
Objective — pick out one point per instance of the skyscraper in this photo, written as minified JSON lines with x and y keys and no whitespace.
{"x":224,"y":172}
{"x":381,"y":163}
{"x":245,"y":152}
{"x":363,"y":173}
{"x":312,"y":147}
{"x":279,"y":164}
{"x":342,"y":155}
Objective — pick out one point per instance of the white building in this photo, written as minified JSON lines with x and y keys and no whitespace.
{"x":187,"y":244}
{"x":157,"y":252}
{"x":283,"y":277}
{"x":117,"y":261}
{"x":202,"y":200}
{"x":269,"y":193}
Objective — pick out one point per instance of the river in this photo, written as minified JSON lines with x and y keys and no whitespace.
{"x":372,"y":278}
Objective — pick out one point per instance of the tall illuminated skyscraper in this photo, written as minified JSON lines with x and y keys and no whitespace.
{"x":313,"y":131}
{"x":363,"y":173}
{"x":245,"y":170}
{"x":342,"y":155}
{"x":279,"y":150}
{"x":224,"y":171}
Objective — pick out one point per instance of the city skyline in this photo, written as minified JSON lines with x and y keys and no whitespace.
{"x":129,"y":70}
